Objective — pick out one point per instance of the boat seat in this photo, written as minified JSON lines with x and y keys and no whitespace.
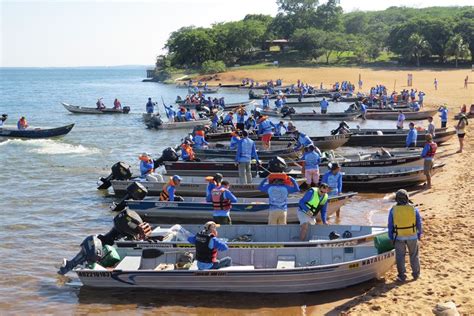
{"x":129,"y":263}
{"x":148,"y":258}
{"x":286,"y":262}
{"x":237,"y":268}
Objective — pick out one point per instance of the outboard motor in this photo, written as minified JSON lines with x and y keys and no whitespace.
{"x":346,"y":234}
{"x":155,"y":122}
{"x":169,"y":154}
{"x":135,"y":191}
{"x":275,"y":165}
{"x":91,"y":252}
{"x":333,"y":235}
{"x":286,"y":111}
{"x":343,"y":125}
{"x":126,"y":109}
{"x":120,"y":171}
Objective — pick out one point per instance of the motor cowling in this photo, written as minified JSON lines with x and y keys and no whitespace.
{"x":126,"y":109}
{"x":169,"y":154}
{"x":135,"y":191}
{"x":120,"y":171}
{"x":277,"y":165}
{"x":92,"y":249}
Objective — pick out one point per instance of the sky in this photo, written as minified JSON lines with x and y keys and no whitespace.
{"x":71,"y":33}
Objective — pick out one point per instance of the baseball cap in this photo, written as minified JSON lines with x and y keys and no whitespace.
{"x":210,"y":225}
{"x":176,"y":177}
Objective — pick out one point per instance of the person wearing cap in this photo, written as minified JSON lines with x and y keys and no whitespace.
{"x":207,"y":246}
{"x":170,"y":112}
{"x":461,"y":131}
{"x":333,"y":178}
{"x":250,"y":123}
{"x":312,"y":203}
{"x":412,"y":136}
{"x":265,"y":130}
{"x":405,"y":229}
{"x":246,"y":151}
{"x":213,"y":183}
{"x":311,"y":160}
{"x":278,"y":191}
{"x":147,"y":167}
{"x":278,"y":128}
{"x":150,"y":106}
{"x":222,"y":200}
{"x":169,"y":189}
{"x":22,"y":123}
{"x":444,"y":115}
{"x":3,"y":119}
{"x":428,"y":154}
{"x":187,"y":152}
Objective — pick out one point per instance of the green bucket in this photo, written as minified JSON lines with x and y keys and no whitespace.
{"x":383,"y":243}
{"x":111,"y":258}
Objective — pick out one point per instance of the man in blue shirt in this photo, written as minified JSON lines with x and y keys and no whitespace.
{"x":207,"y":245}
{"x":302,"y":140}
{"x":311,"y":160}
{"x":313,"y":202}
{"x":324,"y":106}
{"x":278,"y":190}
{"x":405,"y":229}
{"x":214,"y":182}
{"x":333,"y":178}
{"x":278,"y":128}
{"x":412,"y":136}
{"x":444,"y":116}
{"x":150,"y":106}
{"x":246,"y":151}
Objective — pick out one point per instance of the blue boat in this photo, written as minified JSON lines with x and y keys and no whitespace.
{"x":14,"y":132}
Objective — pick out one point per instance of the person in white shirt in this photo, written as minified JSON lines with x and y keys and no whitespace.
{"x":3,"y":119}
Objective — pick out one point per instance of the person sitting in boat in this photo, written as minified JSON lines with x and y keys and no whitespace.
{"x":222,"y":200}
{"x":234,"y":140}
{"x":278,"y":128}
{"x":3,"y":119}
{"x":200,"y":141}
{"x":241,"y":113}
{"x":187,"y":152}
{"x":290,"y":128}
{"x":213,"y":183}
{"x":169,"y":189}
{"x":181,"y":114}
{"x":22,"y":124}
{"x":189,"y":116}
{"x":278,"y":103}
{"x":324,"y":106}
{"x":412,"y":136}
{"x":265,"y":129}
{"x":333,"y":178}
{"x":117,"y":104}
{"x":315,"y":201}
{"x":170,"y":112}
{"x":278,"y":186}
{"x":147,"y":167}
{"x":251,"y":123}
{"x":150,"y":106}
{"x":207,"y":245}
{"x":415,"y":107}
{"x":100,"y":105}
{"x":97,"y":249}
{"x":228,"y":121}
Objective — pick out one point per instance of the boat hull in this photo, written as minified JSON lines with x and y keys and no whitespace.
{"x":393,"y":115}
{"x":396,"y":140}
{"x":86,"y":110}
{"x":36,"y":132}
{"x":324,"y":117}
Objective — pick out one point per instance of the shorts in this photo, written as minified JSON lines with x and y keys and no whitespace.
{"x":266,"y":138}
{"x":277,"y":218}
{"x":427,"y":166}
{"x":312,"y":175}
{"x":304,"y":218}
{"x":461,"y":135}
{"x":324,"y":111}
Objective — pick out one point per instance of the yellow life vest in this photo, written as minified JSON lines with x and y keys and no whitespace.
{"x":316,"y":203}
{"x":404,"y":220}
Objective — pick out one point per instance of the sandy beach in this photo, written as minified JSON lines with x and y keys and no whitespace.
{"x":447,"y":248}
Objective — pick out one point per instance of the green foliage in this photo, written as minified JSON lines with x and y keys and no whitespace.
{"x":323,"y":33}
{"x":212,"y":67}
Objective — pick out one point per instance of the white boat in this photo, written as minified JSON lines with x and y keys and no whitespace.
{"x":247,"y":210}
{"x":89,"y":110}
{"x":256,"y":270}
{"x":147,"y":117}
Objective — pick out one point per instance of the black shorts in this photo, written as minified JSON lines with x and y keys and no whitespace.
{"x":443,"y":124}
{"x":461,"y":135}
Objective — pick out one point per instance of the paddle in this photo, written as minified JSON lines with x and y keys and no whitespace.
{"x":166,"y":111}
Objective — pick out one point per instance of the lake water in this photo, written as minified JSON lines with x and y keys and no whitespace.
{"x":49,"y":202}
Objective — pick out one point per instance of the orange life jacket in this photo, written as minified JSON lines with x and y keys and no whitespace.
{"x":164,"y":196}
{"x":218,"y":200}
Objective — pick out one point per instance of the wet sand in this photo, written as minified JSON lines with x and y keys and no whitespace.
{"x":447,"y":247}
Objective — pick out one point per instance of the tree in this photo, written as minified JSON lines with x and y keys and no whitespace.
{"x":297,"y":6}
{"x":356,"y":23}
{"x":465,"y":27}
{"x":417,"y":46}
{"x":457,"y":47}
{"x":329,"y":16}
{"x":212,"y":67}
{"x":309,"y":41}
